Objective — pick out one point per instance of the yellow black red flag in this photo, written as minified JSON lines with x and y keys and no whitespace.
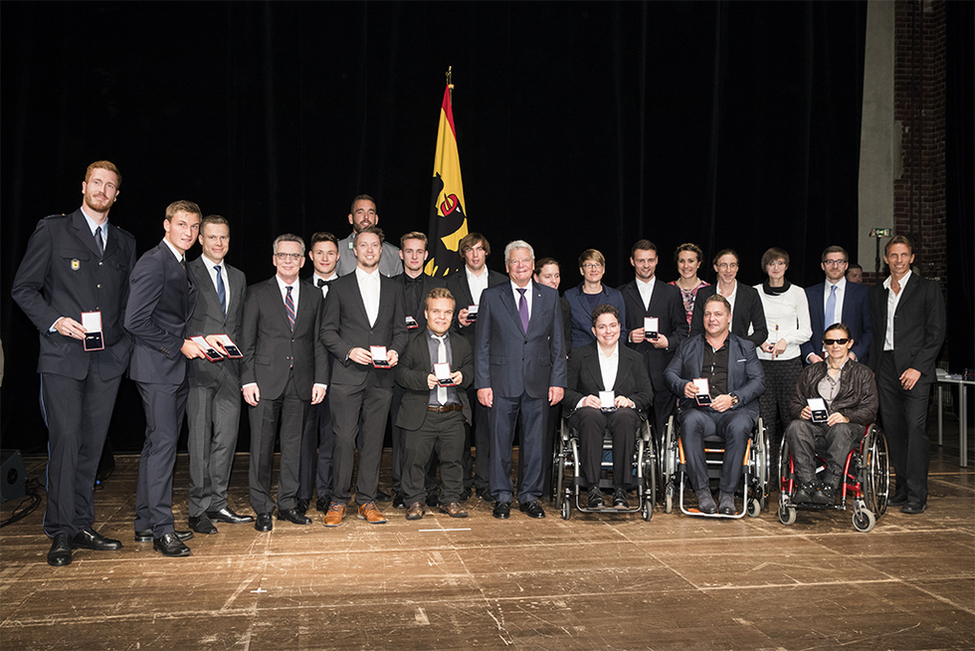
{"x":448,"y":214}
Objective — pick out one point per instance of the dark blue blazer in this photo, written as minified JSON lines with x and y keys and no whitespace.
{"x":511,"y":361}
{"x":582,"y":314}
{"x":745,"y":377}
{"x":856,"y":315}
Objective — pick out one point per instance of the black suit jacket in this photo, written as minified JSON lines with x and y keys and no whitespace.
{"x":667,"y":305}
{"x":919,"y":326}
{"x":270,"y":347}
{"x":412,"y":372}
{"x":457,"y":284}
{"x":586,"y":379}
{"x":417,"y":311}
{"x":345,"y":326}
{"x":162,"y":296}
{"x":748,"y":312}
{"x":61,"y":274}
{"x":208,"y":319}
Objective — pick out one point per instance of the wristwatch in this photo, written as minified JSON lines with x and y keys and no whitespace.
{"x":734,"y":400}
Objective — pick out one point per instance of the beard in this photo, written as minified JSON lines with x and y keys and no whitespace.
{"x":98,"y":203}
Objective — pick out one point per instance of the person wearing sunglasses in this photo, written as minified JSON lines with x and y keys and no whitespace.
{"x":850,"y":394}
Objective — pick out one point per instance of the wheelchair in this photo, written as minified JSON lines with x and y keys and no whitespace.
{"x":866,"y":482}
{"x":755,"y":477}
{"x":566,"y":471}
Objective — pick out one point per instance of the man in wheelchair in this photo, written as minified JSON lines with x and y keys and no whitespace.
{"x":719,"y":379}
{"x":835,"y":400}
{"x":607,"y":384}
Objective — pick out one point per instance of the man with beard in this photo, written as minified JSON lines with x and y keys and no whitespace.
{"x":364,"y":215}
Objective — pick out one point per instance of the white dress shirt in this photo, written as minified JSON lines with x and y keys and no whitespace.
{"x":369,"y":289}
{"x":837,"y":315}
{"x":210,"y":264}
{"x":608,"y":367}
{"x":477,"y":284}
{"x":646,"y":290}
{"x":893,"y":298}
{"x":283,"y":286}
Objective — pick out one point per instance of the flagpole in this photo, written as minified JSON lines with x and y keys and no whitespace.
{"x":450,"y":81}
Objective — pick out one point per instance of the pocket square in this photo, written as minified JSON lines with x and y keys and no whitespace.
{"x":742,"y":360}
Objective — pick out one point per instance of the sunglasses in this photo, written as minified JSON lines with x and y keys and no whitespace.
{"x":830,"y":342}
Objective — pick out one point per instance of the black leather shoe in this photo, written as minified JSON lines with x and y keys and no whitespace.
{"x":897,"y":500}
{"x":228,"y":516}
{"x":264,"y":522}
{"x":399,"y":501}
{"x":502,"y":510}
{"x":433,"y":501}
{"x":60,"y":554}
{"x":532,"y":509}
{"x":596,"y":498}
{"x":619,"y":499}
{"x":465,"y":495}
{"x":202,"y":524}
{"x":170,"y":545}
{"x":88,"y":538}
{"x":146,"y":535}
{"x":301,"y":506}
{"x":292,"y":515}
{"x":382,"y":496}
{"x":322,"y":504}
{"x":914,"y":508}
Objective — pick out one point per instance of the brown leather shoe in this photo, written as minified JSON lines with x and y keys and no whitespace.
{"x":454,"y":510}
{"x":334,"y":514}
{"x":371,"y":514}
{"x":416,"y":511}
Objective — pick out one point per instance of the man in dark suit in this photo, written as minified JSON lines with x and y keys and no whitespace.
{"x":734,"y":376}
{"x":595,"y":368}
{"x":162,"y":296}
{"x":908,"y":312}
{"x":416,"y":285}
{"x":363,"y":215}
{"x":746,"y":305}
{"x":519,"y":367}
{"x":213,"y":404}
{"x":363,"y":314}
{"x":318,"y":439}
{"x":838,"y":301}
{"x":432,"y":416}
{"x":645,"y":297}
{"x":75,"y":264}
{"x":466,"y":285}
{"x":283,"y":371}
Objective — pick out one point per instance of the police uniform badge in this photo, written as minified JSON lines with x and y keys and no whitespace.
{"x":75,"y":264}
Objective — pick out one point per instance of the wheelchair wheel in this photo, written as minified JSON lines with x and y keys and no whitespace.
{"x":762,"y":462}
{"x":785,"y":468}
{"x":559,"y":465}
{"x":787,"y":514}
{"x":649,"y":461}
{"x":566,"y":509}
{"x":875,"y":472}
{"x":669,"y":461}
{"x":864,"y":520}
{"x":754,"y":508}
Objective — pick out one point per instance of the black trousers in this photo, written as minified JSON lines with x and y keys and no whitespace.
{"x":290,"y":410}
{"x":348,"y":402}
{"x":443,"y":434}
{"x":590,"y":423}
{"x":317,"y":446}
{"x":904,"y":416}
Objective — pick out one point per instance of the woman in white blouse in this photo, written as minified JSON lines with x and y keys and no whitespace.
{"x":787,"y":318}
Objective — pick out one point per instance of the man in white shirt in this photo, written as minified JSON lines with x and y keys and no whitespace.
{"x":363,"y":215}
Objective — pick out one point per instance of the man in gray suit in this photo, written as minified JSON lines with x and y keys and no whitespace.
{"x":214,"y":399}
{"x":364,"y":215}
{"x":75,"y":264}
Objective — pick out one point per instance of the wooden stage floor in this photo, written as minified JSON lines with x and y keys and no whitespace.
{"x":593,"y":582}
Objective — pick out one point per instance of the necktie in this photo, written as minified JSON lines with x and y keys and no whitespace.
{"x":830,"y":307}
{"x":523,"y":309}
{"x":441,"y":359}
{"x":99,"y":242}
{"x":221,"y":290}
{"x":289,"y":305}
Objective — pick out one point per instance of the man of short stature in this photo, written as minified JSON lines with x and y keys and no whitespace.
{"x":283,"y":372}
{"x":908,"y":312}
{"x":854,"y":273}
{"x":466,"y":286}
{"x":519,"y":370}
{"x":734,"y":377}
{"x":838,"y":300}
{"x":645,"y":297}
{"x":434,"y":406}
{"x":162,"y":296}
{"x":364,"y":329}
{"x":318,"y":440}
{"x":364,"y":215}
{"x":213,"y":404}
{"x":416,"y":286}
{"x":74,"y":264}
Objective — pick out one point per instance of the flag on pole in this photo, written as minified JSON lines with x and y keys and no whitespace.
{"x":448,"y":215}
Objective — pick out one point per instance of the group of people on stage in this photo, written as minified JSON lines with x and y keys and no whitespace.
{"x":457,"y":363}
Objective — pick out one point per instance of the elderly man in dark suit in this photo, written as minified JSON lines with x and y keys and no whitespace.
{"x":601,"y":366}
{"x":284,"y":370}
{"x":435,"y":406}
{"x":908,"y":312}
{"x":162,"y":295}
{"x":213,"y":404}
{"x":520,"y":369}
{"x":75,"y":264}
{"x":735,"y":381}
{"x":644,"y":297}
{"x":838,"y":300}
{"x":363,"y":312}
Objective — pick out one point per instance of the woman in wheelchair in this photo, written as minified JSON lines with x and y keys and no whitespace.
{"x":834,"y":400}
{"x":607,"y":384}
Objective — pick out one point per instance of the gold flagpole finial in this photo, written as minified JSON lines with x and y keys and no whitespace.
{"x":450,"y":77}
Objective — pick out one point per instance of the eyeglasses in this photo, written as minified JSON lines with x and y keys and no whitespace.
{"x":777,"y":263}
{"x":293,"y":256}
{"x":592,"y":265}
{"x":838,"y":342}
{"x":834,"y":263}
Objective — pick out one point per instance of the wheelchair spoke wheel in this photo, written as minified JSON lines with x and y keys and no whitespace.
{"x":875,"y":471}
{"x":864,"y":520}
{"x":787,"y":515}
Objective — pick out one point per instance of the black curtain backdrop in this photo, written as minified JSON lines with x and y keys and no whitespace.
{"x":579,"y":125}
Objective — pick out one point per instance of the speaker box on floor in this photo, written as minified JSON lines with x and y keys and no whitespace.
{"x":12,"y":475}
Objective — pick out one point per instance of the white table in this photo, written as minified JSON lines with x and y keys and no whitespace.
{"x":962,"y":414}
